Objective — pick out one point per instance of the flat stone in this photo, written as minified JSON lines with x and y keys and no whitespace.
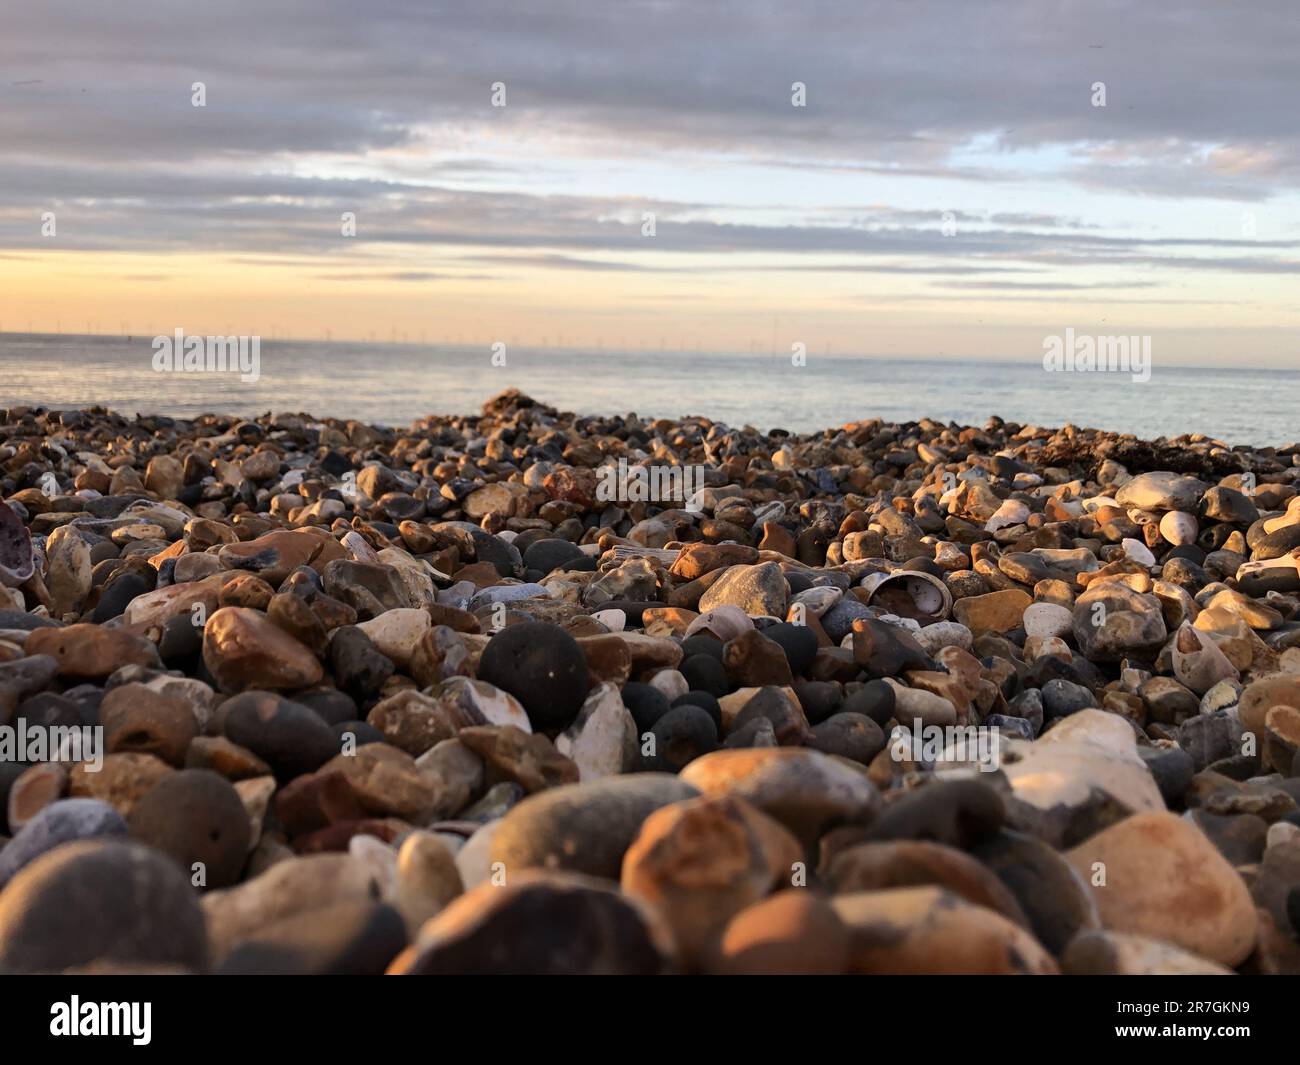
{"x":298,"y":885}
{"x":58,"y":823}
{"x":1047,"y":619}
{"x":92,"y":652}
{"x":806,"y":791}
{"x":757,"y":590}
{"x":695,"y":560}
{"x":608,"y":658}
{"x":315,"y":801}
{"x":699,"y":862}
{"x":1056,"y":900}
{"x":385,"y":780}
{"x":1165,"y":880}
{"x":1260,"y":696}
{"x":528,"y":758}
{"x":925,"y":930}
{"x":539,"y":924}
{"x":1098,"y":953}
{"x":914,"y":863}
{"x":1066,"y":787}
{"x":915,"y":704}
{"x":602,"y":741}
{"x":456,"y":775}
{"x":1211,"y":737}
{"x":273,"y":556}
{"x":933,"y":638}
{"x":244,"y":651}
{"x":1162,"y":490}
{"x":139,"y":720}
{"x":1112,"y":621}
{"x":479,"y":703}
{"x":369,"y":588}
{"x":584,"y":828}
{"x":507,"y":593}
{"x":414,"y":722}
{"x":121,"y":781}
{"x":397,"y":633}
{"x":196,"y":598}
{"x":793,"y":932}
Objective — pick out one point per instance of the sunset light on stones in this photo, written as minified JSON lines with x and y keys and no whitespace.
{"x":662,"y":489}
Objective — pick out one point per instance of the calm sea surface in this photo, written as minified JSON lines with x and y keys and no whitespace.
{"x":394,"y":384}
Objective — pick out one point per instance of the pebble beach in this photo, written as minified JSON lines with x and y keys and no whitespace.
{"x":451,"y":698}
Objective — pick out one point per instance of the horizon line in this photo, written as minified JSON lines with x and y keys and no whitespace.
{"x":602,"y":349}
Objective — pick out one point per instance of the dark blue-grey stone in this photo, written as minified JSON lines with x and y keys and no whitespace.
{"x":838,"y":620}
{"x":60,"y":822}
{"x":1063,"y":697}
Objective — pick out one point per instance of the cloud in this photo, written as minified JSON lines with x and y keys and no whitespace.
{"x":315,"y":108}
{"x":1045,"y":286}
{"x":567,"y":262}
{"x":891,"y":87}
{"x":402,"y":276}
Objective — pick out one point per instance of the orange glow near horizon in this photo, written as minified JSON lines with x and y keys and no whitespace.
{"x":456,"y":300}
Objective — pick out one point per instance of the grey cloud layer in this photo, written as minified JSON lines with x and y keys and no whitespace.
{"x":903,"y":81}
{"x":120,"y":210}
{"x":95,"y":114}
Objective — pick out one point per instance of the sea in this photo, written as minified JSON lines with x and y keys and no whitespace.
{"x":394,"y":384}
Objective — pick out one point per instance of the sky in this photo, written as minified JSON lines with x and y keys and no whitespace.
{"x":892,"y":177}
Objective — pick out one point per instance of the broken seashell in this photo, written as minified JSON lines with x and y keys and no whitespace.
{"x":909,"y":593}
{"x":16,"y":561}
